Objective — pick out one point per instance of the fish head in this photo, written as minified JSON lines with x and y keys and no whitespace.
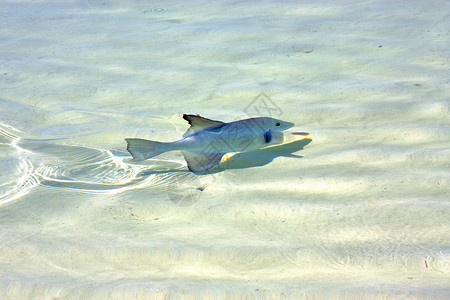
{"x":268,"y":123}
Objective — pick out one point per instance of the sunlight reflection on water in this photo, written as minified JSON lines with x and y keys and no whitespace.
{"x":86,"y":169}
{"x":360,"y":212}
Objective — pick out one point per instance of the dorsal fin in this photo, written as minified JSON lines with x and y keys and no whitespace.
{"x":199,"y":123}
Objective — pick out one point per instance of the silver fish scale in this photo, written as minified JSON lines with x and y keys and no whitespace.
{"x":239,"y":138}
{"x":233,"y":137}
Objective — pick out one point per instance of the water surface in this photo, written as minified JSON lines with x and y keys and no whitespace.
{"x":362,"y":210}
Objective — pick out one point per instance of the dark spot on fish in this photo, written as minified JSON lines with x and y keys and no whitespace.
{"x":201,"y":188}
{"x":278,"y":124}
{"x":268,"y":136}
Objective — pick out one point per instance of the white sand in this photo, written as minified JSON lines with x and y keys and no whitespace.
{"x":363,"y":214}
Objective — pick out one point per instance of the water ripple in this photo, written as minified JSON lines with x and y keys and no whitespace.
{"x":33,"y":162}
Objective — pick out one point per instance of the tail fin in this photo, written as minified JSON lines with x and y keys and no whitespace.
{"x":142,"y":149}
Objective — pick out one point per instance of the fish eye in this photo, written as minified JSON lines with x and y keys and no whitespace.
{"x":278,"y":124}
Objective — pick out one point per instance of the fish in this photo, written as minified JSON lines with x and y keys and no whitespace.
{"x":207,"y":141}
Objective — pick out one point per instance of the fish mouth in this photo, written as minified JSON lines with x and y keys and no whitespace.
{"x":304,"y":135}
{"x":300,"y":133}
{"x":288,"y":125}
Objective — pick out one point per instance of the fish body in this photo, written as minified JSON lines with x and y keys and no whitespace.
{"x":206,"y":141}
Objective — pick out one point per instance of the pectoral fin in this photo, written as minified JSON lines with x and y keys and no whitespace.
{"x":199,"y":162}
{"x":199,"y":123}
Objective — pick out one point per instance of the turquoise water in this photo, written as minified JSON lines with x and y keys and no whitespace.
{"x":360,"y":211}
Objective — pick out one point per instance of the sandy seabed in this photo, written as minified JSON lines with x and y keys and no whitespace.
{"x":361,"y":211}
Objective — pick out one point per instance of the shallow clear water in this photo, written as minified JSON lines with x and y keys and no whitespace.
{"x":361,"y":211}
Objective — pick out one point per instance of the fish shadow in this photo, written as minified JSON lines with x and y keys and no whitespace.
{"x":261,"y":157}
